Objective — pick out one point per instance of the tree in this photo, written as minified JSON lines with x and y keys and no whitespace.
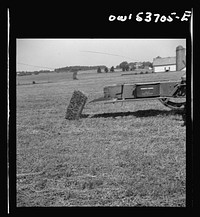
{"x":98,"y":70}
{"x":146,"y":65}
{"x":106,"y":69}
{"x":36,"y":72}
{"x":112,"y":69}
{"x":132,"y":66}
{"x":127,"y":68}
{"x":151,"y":65}
{"x":124,"y":66}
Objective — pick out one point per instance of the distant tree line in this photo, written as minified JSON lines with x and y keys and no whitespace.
{"x":63,"y":69}
{"x":106,"y":70}
{"x":21,"y":73}
{"x":78,"y":68}
{"x":125,"y":66}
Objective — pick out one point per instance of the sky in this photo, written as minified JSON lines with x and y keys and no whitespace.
{"x":40,"y":54}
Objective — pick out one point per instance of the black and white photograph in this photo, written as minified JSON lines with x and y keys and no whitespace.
{"x":101,"y":121}
{"x":106,"y":127}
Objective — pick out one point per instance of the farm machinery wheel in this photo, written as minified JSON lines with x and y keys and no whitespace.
{"x":178,"y":99}
{"x":175,"y":104}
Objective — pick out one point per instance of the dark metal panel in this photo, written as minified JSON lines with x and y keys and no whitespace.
{"x":167,"y":88}
{"x":129,"y":91}
{"x":114,"y":91}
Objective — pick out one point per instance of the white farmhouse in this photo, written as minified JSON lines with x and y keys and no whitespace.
{"x":164,"y":64}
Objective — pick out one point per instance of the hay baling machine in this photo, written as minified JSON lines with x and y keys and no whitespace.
{"x":170,"y":93}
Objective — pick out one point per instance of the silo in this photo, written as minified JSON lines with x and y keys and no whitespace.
{"x":180,"y":58}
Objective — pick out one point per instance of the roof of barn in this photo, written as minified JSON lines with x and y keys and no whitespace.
{"x":164,"y":61}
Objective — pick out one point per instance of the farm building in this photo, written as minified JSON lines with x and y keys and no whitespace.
{"x":177,"y":63}
{"x":164,"y":64}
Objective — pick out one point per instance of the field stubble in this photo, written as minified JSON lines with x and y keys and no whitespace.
{"x":115,"y":155}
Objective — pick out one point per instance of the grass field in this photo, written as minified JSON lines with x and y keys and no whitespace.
{"x":130,"y":154}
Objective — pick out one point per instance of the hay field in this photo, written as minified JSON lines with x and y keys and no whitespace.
{"x":43,"y":78}
{"x":130,"y":154}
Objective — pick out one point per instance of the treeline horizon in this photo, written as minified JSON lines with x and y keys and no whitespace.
{"x":65,"y":69}
{"x":131,"y":65}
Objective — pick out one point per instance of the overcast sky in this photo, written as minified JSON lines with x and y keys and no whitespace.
{"x":55,"y":53}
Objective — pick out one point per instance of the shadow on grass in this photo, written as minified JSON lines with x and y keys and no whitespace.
{"x":139,"y":114}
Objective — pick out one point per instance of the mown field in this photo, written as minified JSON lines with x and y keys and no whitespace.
{"x":130,"y":154}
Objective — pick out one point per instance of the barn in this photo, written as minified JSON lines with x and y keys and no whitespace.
{"x":177,"y":63}
{"x":164,"y":64}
